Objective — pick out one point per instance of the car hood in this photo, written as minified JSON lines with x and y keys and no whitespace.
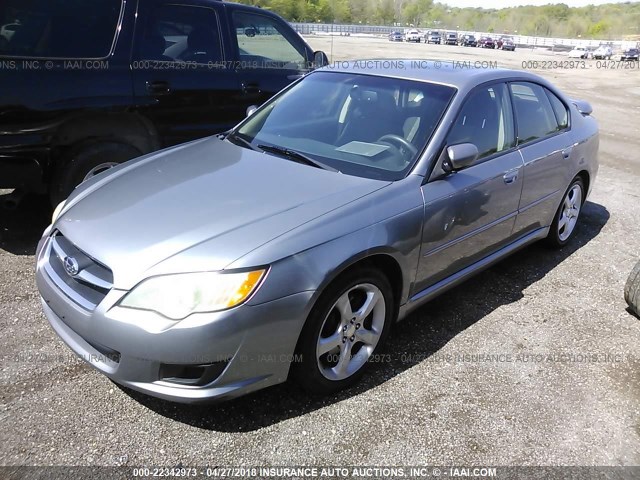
{"x":198,"y":207}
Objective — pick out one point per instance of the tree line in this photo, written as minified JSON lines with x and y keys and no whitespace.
{"x":614,"y":20}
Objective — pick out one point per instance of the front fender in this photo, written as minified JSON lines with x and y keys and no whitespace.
{"x":396,"y":234}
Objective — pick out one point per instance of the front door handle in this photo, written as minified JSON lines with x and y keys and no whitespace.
{"x":251,"y":89}
{"x":158,"y":88}
{"x":510,"y":177}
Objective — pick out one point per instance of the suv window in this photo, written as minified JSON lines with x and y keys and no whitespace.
{"x":486,"y":120}
{"x":534,"y":114}
{"x":182,"y":33}
{"x":60,"y":28}
{"x":262,"y":43}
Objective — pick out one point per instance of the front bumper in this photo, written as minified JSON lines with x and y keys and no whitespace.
{"x":237,"y":351}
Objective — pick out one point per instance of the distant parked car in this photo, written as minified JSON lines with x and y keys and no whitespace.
{"x":468,"y":41}
{"x":590,"y":51}
{"x":434,"y":37}
{"x":506,"y":43}
{"x":451,"y":38}
{"x":578,"y":52}
{"x":486,"y":42}
{"x":413,"y":36}
{"x":396,"y":37}
{"x":632,"y":290}
{"x":630,"y":54}
{"x":603,"y":52}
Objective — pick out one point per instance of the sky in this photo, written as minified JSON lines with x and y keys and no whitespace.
{"x":515,"y":3}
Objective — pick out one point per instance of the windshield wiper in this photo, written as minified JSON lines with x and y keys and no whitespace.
{"x":297,"y":157}
{"x":236,"y":139}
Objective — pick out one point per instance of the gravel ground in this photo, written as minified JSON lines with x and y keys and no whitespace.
{"x":534,"y":362}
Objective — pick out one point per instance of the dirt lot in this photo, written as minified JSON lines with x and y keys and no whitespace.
{"x":573,"y":397}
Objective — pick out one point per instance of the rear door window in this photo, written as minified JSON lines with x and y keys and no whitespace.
{"x":182,"y":33}
{"x":535,"y":117}
{"x":59,"y":28}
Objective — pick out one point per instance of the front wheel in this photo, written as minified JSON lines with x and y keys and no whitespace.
{"x":346,"y":327}
{"x":566,"y":219}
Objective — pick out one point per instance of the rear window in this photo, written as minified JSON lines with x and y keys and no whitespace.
{"x":59,"y":28}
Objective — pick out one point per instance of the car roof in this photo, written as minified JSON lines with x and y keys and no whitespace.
{"x":461,"y":75}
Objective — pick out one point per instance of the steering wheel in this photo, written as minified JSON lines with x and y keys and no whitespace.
{"x":397,"y":140}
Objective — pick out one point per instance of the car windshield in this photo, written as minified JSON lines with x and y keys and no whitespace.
{"x":363,"y":125}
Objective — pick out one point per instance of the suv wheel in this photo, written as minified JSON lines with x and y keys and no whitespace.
{"x":348,"y":324}
{"x":85,"y":161}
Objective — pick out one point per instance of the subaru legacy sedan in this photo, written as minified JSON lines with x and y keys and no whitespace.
{"x":289,"y":246}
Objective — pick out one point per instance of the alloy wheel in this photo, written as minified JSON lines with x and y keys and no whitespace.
{"x":350,"y":331}
{"x":570,"y":212}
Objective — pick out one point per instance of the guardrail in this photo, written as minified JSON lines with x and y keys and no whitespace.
{"x":521,"y":40}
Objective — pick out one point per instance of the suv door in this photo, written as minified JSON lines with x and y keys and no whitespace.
{"x":469,"y":214}
{"x":544,"y":140}
{"x":182,"y":79}
{"x":269,"y":54}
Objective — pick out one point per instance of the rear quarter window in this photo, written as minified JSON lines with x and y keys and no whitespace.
{"x":59,"y":28}
{"x":559,"y":108}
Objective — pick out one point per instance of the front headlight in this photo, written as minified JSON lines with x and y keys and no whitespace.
{"x":178,"y":296}
{"x":56,"y":212}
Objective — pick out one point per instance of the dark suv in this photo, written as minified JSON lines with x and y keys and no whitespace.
{"x":87,"y":85}
{"x":468,"y":41}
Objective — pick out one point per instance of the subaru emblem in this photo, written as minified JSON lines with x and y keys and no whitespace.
{"x":71,"y":266}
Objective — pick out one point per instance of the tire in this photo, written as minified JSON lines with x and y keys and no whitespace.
{"x":566,"y":219}
{"x":632,"y":290}
{"x":343,"y":365}
{"x":87,"y":159}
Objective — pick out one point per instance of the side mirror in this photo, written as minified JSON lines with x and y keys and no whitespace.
{"x":251,"y":109}
{"x":250,"y":32}
{"x":320,"y":59}
{"x":462,"y":155}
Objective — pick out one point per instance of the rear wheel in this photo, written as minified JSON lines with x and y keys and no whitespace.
{"x":566,"y":219}
{"x":85,"y":161}
{"x":632,"y":290}
{"x":348,"y":324}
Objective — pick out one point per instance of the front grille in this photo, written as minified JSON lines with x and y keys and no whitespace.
{"x":89,"y":285}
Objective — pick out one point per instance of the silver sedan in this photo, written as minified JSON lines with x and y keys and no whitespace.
{"x":289,"y":246}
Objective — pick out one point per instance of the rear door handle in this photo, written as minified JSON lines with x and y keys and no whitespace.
{"x":158,"y":88}
{"x":510,"y":177}
{"x":566,"y":153}
{"x":251,"y":89}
